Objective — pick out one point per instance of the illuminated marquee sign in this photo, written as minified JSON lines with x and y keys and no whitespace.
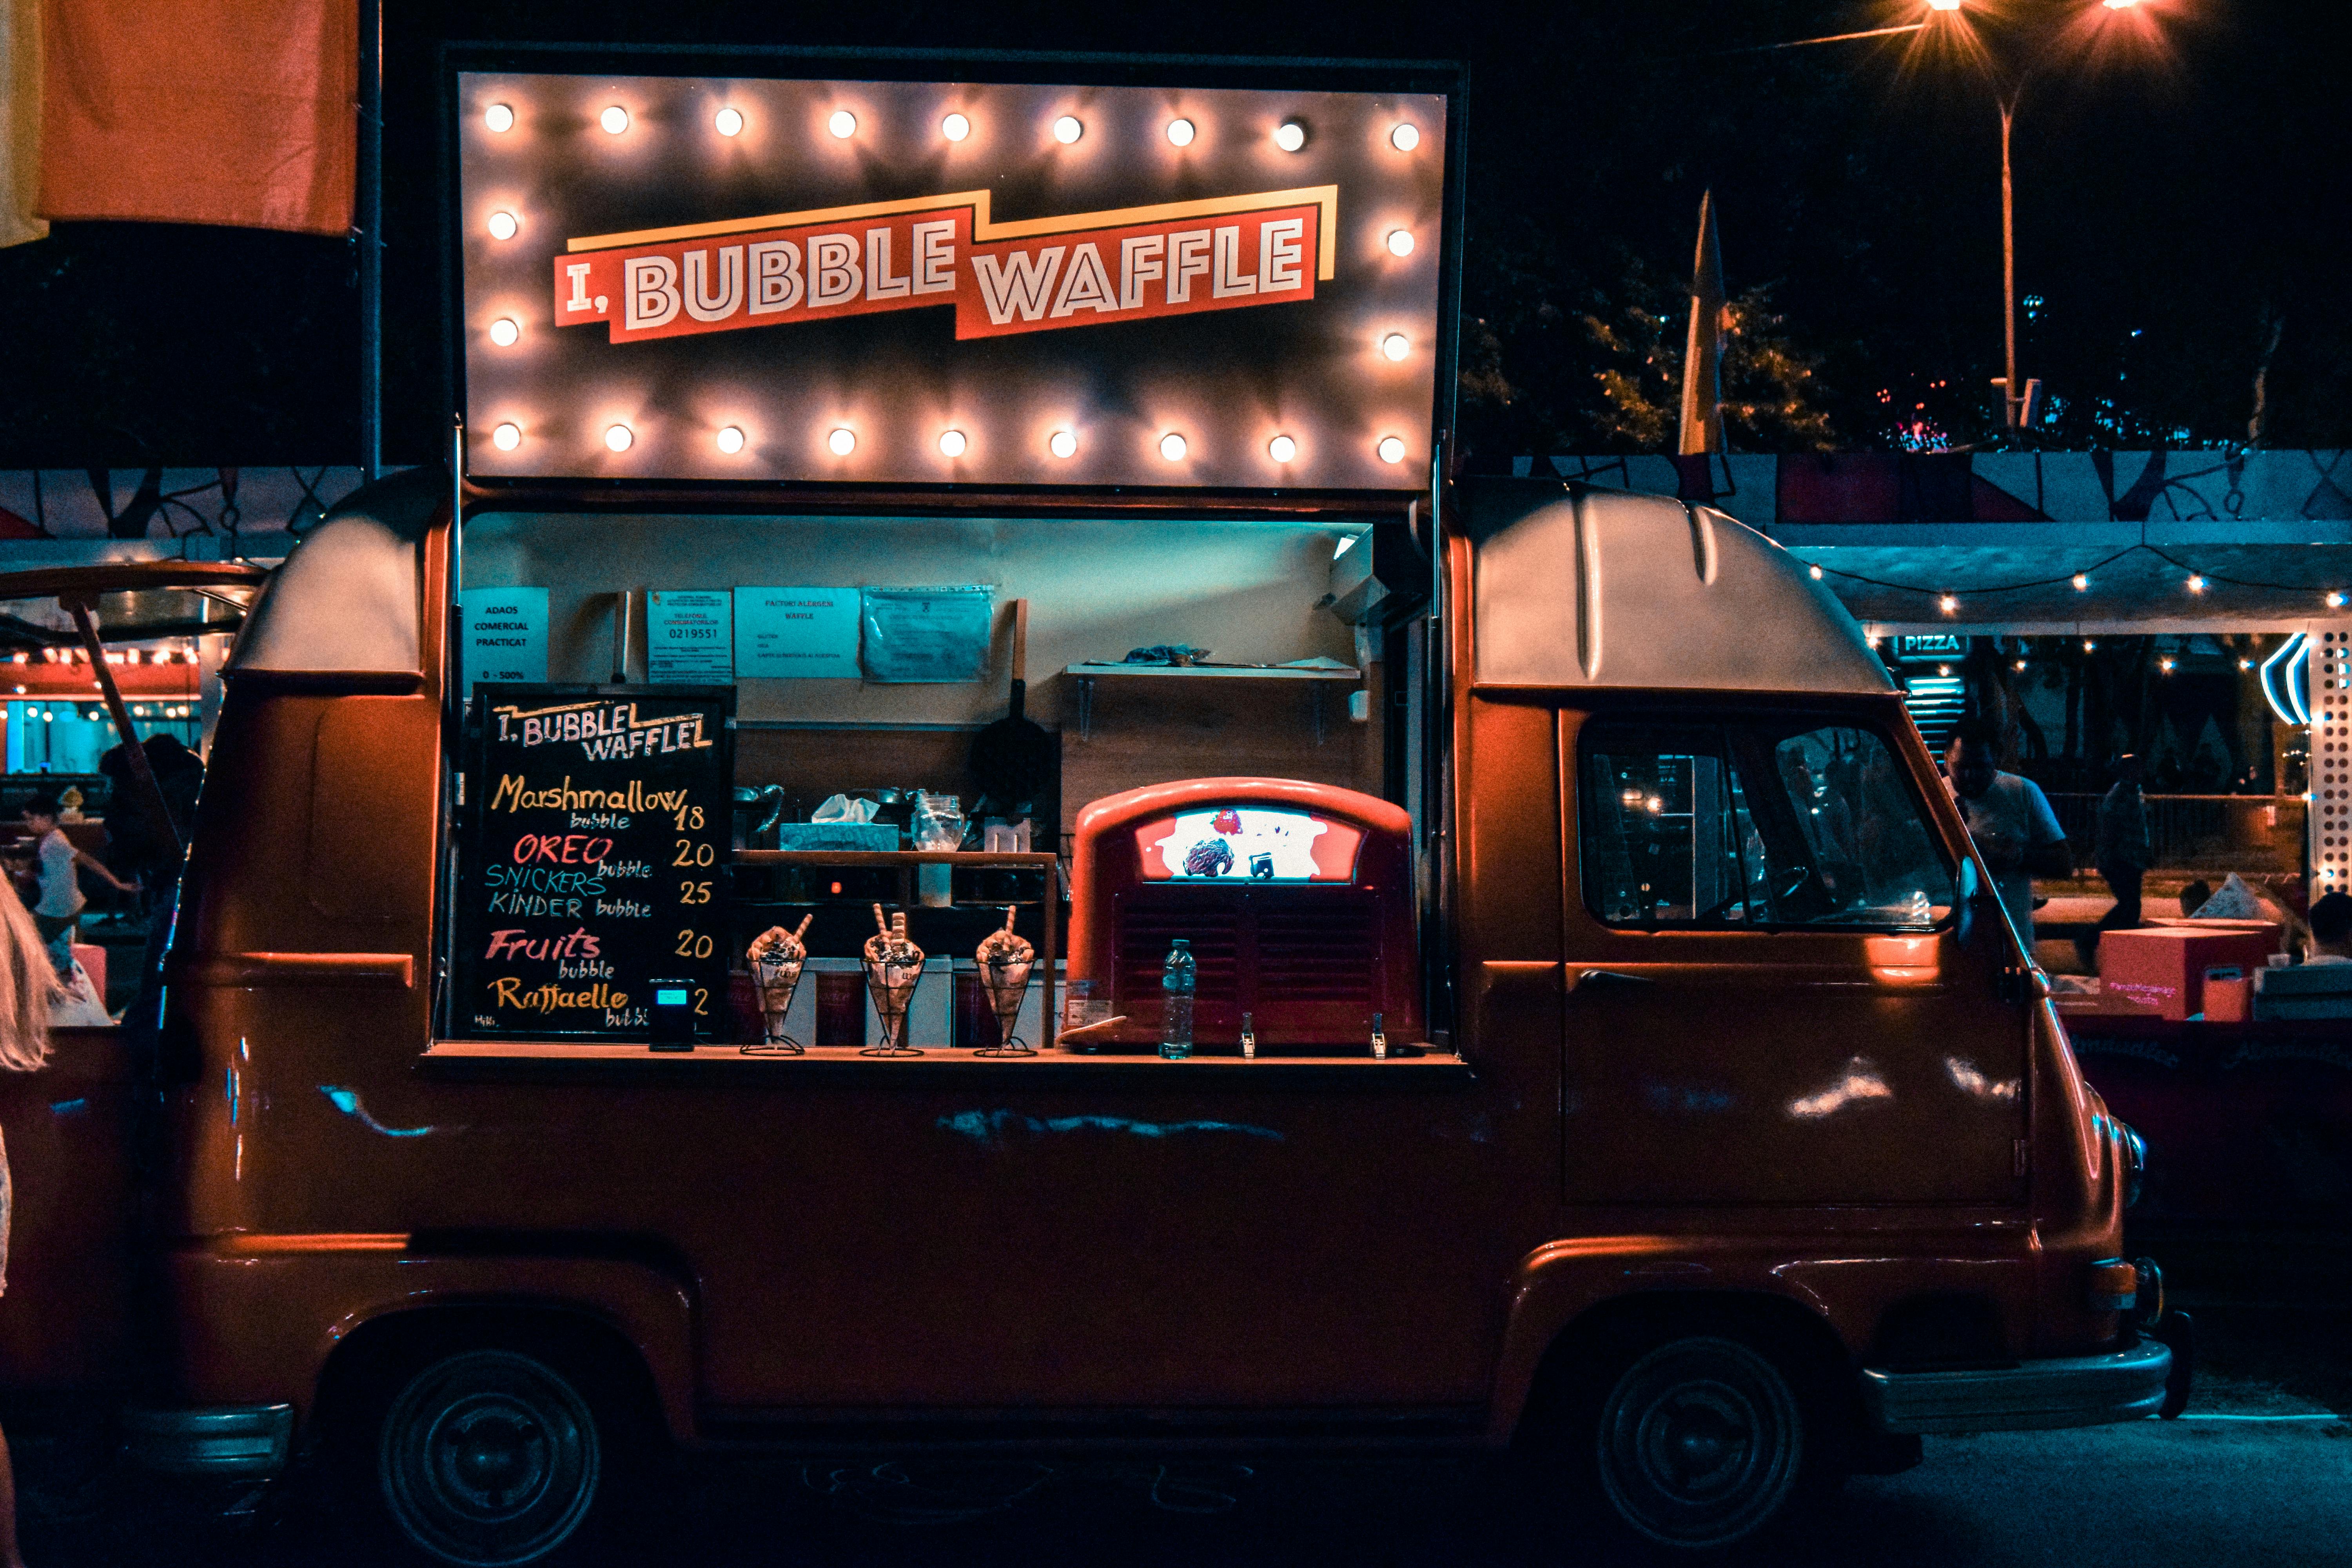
{"x":929,"y":283}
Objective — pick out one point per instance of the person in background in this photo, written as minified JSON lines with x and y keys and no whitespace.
{"x":61,"y":901}
{"x":2193,"y":896}
{"x":2122,"y":850}
{"x":27,"y":986}
{"x":2331,"y":929}
{"x":2010,"y":820}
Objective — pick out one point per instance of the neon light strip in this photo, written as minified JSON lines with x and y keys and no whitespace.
{"x":985,"y":230}
{"x":2269,"y":684}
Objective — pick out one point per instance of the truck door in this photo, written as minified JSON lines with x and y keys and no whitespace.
{"x":1773,"y":998}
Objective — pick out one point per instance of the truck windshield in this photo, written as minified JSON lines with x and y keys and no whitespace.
{"x":1753,"y":823}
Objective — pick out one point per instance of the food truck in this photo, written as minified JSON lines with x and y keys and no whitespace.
{"x":1456,"y":965}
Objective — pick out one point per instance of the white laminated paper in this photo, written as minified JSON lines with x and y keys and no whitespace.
{"x":691,"y":636}
{"x":506,"y":633}
{"x":928,"y":634}
{"x":797,"y":633}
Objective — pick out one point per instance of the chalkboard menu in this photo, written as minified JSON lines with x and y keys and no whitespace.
{"x":594,"y":860}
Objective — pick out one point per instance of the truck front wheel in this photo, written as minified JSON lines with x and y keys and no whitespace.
{"x":490,"y":1458}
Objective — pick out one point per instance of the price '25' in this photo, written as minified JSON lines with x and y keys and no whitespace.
{"x":694,"y":892}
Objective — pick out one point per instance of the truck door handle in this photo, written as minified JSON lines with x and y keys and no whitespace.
{"x":1610,"y":980}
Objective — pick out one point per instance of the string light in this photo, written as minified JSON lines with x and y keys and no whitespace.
{"x":1290,"y":135}
{"x":2334,"y":601}
{"x":1180,"y":132}
{"x":1948,"y":604}
{"x":1067,"y":130}
{"x":1171,"y":446}
{"x":1282,"y":449}
{"x":729,"y":121}
{"x":842,"y":124}
{"x":2082,"y":583}
{"x":1062,"y":444}
{"x":2088,"y":644}
{"x":955,"y":128}
{"x":2165,"y":665}
{"x":614,"y":120}
{"x":498,"y":117}
{"x":1816,"y":571}
{"x":1399,"y":242}
{"x":2196,"y":583}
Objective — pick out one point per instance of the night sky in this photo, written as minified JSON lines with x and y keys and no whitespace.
{"x":2174,"y":204}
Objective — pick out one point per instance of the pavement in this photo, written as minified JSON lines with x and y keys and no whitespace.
{"x":2260,"y":1470}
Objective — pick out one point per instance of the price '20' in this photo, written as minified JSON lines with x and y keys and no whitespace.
{"x":691,"y":944}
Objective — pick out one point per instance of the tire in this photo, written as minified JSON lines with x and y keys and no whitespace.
{"x":1698,"y":1442}
{"x":492,"y":1459}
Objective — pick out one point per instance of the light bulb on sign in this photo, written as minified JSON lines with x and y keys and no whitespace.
{"x":728,"y":122}
{"x":1394,"y":346}
{"x":1290,"y":135}
{"x":505,"y":331}
{"x":730,"y":439}
{"x":1062,"y":444}
{"x":1399,"y":242}
{"x":506,"y":437}
{"x":1180,"y":132}
{"x":1171,"y":446}
{"x":618,"y":437}
{"x":614,"y":120}
{"x":1392,"y":450}
{"x":1067,"y":130}
{"x":952,"y":444}
{"x":503,"y":225}
{"x":955,"y":128}
{"x":842,"y":124}
{"x":1282,"y":449}
{"x":841,"y":443}
{"x":1405,"y":138}
{"x":498,"y":117}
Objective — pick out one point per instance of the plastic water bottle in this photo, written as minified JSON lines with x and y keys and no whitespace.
{"x":1178,"y":981}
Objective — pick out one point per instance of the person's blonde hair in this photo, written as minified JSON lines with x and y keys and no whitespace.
{"x":28,"y":985}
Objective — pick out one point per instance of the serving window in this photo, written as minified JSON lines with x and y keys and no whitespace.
{"x":824,"y":694}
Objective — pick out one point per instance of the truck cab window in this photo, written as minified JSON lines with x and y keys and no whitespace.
{"x":1755,"y":823}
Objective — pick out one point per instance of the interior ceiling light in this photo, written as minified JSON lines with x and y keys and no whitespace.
{"x":614,"y":120}
{"x":952,"y":444}
{"x":506,"y":437}
{"x":1180,"y":132}
{"x":1067,"y":130}
{"x":955,"y":128}
{"x":1392,"y":450}
{"x":1395,"y":346}
{"x":498,"y":117}
{"x":842,"y":123}
{"x":842,"y":442}
{"x":1290,"y":135}
{"x":1399,"y":242}
{"x":730,"y":439}
{"x":503,"y":225}
{"x":618,"y":437}
{"x":505,"y":331}
{"x":1282,"y":449}
{"x":1062,"y":444}
{"x":1405,"y":138}
{"x":729,"y":121}
{"x":1171,"y":446}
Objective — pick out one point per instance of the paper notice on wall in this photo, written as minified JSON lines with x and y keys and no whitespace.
{"x":505,"y":633}
{"x":691,"y":636}
{"x":928,"y":634}
{"x":797,"y":633}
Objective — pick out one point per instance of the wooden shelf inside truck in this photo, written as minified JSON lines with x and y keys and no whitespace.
{"x":563,"y":1061}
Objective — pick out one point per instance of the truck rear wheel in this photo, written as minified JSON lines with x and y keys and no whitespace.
{"x":492,"y":1459}
{"x":1699,"y":1442}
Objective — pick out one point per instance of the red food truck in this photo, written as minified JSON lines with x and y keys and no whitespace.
{"x":1597,"y":1035}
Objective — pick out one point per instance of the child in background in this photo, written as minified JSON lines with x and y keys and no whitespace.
{"x":61,"y":901}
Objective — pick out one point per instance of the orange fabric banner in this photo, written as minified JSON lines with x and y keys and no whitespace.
{"x":198,"y":111}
